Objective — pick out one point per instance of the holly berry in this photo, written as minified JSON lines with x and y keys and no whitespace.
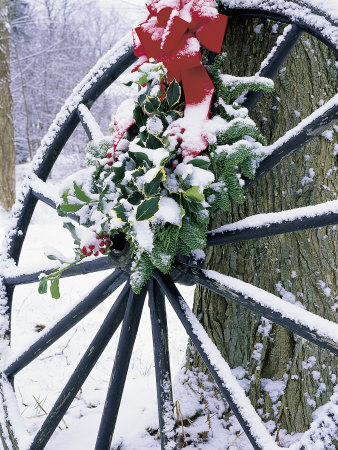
{"x":101,"y":244}
{"x":101,"y":250}
{"x":109,"y":163}
{"x":105,"y":236}
{"x":107,"y":243}
{"x":89,"y":253}
{"x":84,"y":251}
{"x":109,"y":155}
{"x":96,"y":253}
{"x":92,"y":247}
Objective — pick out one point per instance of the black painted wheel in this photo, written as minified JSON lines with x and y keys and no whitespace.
{"x":128,"y":307}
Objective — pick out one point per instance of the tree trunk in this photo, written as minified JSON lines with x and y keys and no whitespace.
{"x":7,"y":150}
{"x":299,"y":267}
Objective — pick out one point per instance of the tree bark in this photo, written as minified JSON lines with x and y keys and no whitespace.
{"x":7,"y":150}
{"x":299,"y":266}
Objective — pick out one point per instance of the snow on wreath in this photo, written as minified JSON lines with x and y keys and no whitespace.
{"x":151,"y":187}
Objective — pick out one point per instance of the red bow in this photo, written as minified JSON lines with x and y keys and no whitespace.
{"x":173,"y":33}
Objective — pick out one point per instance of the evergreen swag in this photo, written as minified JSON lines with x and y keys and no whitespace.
{"x":161,"y":204}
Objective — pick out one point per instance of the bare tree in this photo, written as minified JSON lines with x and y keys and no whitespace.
{"x":7,"y":149}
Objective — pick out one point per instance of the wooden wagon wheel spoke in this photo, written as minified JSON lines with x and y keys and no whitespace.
{"x":84,"y":307}
{"x":271,"y":224}
{"x":129,"y":330}
{"x":162,"y":365}
{"x":274,"y":61}
{"x":23,"y":276}
{"x":219,"y":369}
{"x":294,"y":139}
{"x":310,"y":326}
{"x":83,"y":369}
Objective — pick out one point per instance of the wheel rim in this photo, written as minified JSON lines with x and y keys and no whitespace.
{"x":124,"y":308}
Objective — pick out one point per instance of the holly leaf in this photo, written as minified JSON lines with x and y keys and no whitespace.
{"x":143,"y":79}
{"x":42,"y":286}
{"x":54,"y":288}
{"x":71,"y":228}
{"x":121,"y":213}
{"x":139,"y":117}
{"x":201,"y":163}
{"x":118,"y":174}
{"x":173,"y":93}
{"x":194,"y":194}
{"x":135,"y":198}
{"x":65,"y":196}
{"x":80,"y":194}
{"x":151,"y":105}
{"x":148,"y":208}
{"x":71,"y":207}
{"x":141,"y":158}
{"x":153,"y":142}
{"x":150,"y":189}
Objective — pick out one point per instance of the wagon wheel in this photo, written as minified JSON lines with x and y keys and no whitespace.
{"x":128,"y":307}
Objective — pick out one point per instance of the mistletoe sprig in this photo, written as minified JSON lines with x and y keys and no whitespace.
{"x":146,"y":191}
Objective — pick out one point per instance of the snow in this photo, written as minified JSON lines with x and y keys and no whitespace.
{"x":321,"y":18}
{"x":143,"y":235}
{"x":318,"y":325}
{"x":91,"y":123}
{"x":261,"y":220}
{"x":169,"y":211}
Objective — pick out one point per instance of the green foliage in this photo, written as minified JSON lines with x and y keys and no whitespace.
{"x":229,"y":87}
{"x":141,"y":271}
{"x":130,"y":191}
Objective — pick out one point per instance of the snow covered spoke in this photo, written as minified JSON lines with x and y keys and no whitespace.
{"x":274,"y":60}
{"x":88,"y":122}
{"x":304,"y":323}
{"x":309,"y":128}
{"x":219,"y":369}
{"x":314,"y":21}
{"x":264,"y":225}
{"x":80,"y":374}
{"x":162,"y":366}
{"x":118,"y":377}
{"x":16,"y":276}
{"x":84,"y":307}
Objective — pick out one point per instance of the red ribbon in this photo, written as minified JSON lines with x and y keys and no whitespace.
{"x":173,"y":33}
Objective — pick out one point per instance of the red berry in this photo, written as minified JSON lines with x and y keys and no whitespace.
{"x":182,"y":130}
{"x":84,"y":250}
{"x":92,"y":247}
{"x":110,"y":163}
{"x":179,"y":139}
{"x":98,"y":237}
{"x":105,"y":236}
{"x":89,"y":253}
{"x":101,"y":244}
{"x":107,"y":243}
{"x":109,"y":155}
{"x":97,"y":253}
{"x":101,"y":250}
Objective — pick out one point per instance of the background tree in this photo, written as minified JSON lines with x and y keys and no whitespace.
{"x":7,"y":149}
{"x":299,"y":267}
{"x":52,"y":51}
